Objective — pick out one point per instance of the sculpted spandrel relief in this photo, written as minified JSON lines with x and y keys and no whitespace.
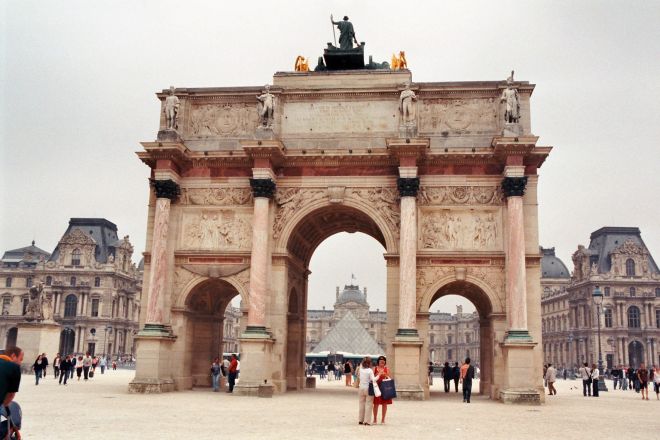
{"x":222,"y":119}
{"x":217,"y":230}
{"x":457,"y":115}
{"x":290,"y":200}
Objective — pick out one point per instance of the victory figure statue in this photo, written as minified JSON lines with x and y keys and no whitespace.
{"x":33,"y":311}
{"x":266,"y":108}
{"x":407,"y":106}
{"x":346,"y":33}
{"x":510,"y":97}
{"x":172,"y":110}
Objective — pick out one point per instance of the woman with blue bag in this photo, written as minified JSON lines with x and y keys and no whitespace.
{"x":386,"y":385}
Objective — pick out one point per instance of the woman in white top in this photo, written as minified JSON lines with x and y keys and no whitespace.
{"x":366,"y":376}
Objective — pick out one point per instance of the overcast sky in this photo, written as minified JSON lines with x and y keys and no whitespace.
{"x":78,"y":80}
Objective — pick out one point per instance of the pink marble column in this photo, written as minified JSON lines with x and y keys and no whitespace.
{"x":408,"y":187}
{"x":166,"y":191}
{"x":516,"y":279}
{"x":263,"y":190}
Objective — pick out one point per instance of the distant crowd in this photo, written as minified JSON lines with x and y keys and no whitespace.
{"x":64,"y":367}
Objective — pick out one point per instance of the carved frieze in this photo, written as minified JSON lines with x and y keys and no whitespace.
{"x":451,"y":229}
{"x":216,"y":230}
{"x":460,"y":195}
{"x":225,"y":120}
{"x":216,"y":196}
{"x":458,"y":115}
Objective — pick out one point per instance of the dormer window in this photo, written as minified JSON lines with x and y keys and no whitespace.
{"x":630,"y":267}
{"x":75,"y":257}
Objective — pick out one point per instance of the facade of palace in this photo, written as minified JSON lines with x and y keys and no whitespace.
{"x":451,"y":337}
{"x":619,"y":264}
{"x":89,"y":279}
{"x":246,"y":182}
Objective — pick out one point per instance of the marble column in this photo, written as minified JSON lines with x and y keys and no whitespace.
{"x":166,"y":192}
{"x":516,"y":278}
{"x":408,"y":187}
{"x":263,"y":190}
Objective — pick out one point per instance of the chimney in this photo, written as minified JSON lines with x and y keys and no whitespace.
{"x":459,"y":310}
{"x":337,"y":295}
{"x":365,"y":293}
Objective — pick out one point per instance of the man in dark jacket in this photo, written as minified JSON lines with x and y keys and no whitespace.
{"x":65,"y":366}
{"x":456,"y":375}
{"x":44,"y":364}
{"x":447,"y":376}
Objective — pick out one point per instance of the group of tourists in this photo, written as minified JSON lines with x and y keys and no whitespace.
{"x":64,"y":367}
{"x":330,"y":371}
{"x":225,"y":368}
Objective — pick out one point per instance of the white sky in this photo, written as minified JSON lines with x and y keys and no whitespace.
{"x":78,"y":80}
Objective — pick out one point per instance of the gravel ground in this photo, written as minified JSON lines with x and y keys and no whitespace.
{"x":102,"y":409}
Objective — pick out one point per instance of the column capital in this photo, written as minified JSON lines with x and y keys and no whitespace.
{"x":408,"y":186}
{"x":165,"y":189}
{"x":514,"y":186}
{"x":263,"y":188}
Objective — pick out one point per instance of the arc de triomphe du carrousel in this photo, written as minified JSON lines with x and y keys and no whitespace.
{"x":246,"y":182}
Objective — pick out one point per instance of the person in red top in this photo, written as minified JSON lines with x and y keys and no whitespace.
{"x":382,"y":372}
{"x":233,"y":367}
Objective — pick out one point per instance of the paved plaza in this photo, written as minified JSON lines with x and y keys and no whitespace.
{"x":103,"y":409}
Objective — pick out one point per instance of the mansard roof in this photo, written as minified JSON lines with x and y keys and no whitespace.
{"x":551,"y":265}
{"x":608,"y":239}
{"x":25,"y":255}
{"x":348,"y":336}
{"x":100,"y":230}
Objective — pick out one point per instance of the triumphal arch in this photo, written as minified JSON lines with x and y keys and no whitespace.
{"x":246,"y":182}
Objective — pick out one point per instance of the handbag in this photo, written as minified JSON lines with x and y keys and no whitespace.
{"x":388,"y":389}
{"x":374,"y":390}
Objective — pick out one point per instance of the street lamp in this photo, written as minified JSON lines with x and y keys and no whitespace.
{"x":598,"y":300}
{"x":571,"y":350}
{"x":108,"y":329}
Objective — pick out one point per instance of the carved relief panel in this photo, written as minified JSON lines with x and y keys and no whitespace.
{"x":437,"y":115}
{"x":460,"y":229}
{"x":216,"y":229}
{"x":222,"y":120}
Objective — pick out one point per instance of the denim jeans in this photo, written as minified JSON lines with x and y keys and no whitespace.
{"x":37,"y":375}
{"x":64,"y":375}
{"x":586,"y":388}
{"x":216,"y":381}
{"x":467,"y":390}
{"x":232,"y":381}
{"x":616,"y":381}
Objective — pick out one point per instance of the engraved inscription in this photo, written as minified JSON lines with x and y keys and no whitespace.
{"x":340,"y":117}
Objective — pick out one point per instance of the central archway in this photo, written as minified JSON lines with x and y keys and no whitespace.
{"x":309,"y":228}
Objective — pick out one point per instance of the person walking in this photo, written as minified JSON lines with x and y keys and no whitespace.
{"x":467,"y":374}
{"x":95,"y":363}
{"x":38,"y":368}
{"x":233,"y":367}
{"x":87,"y":364}
{"x":615,"y":378}
{"x":365,"y":401}
{"x":430,"y":373}
{"x":585,"y":374}
{"x":103,"y":363}
{"x":56,"y":365}
{"x":79,"y":366}
{"x":456,"y":375}
{"x":551,"y":378}
{"x":215,"y":374}
{"x":45,"y":365}
{"x":381,"y":372}
{"x":447,"y":376}
{"x":348,"y":373}
{"x":643,"y":378}
{"x":595,"y":374}
{"x":65,"y":366}
{"x":331,"y":371}
{"x":656,"y":383}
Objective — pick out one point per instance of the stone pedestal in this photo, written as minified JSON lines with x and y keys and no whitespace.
{"x":407,"y":353}
{"x":256,"y":352}
{"x":168,"y":135}
{"x":521,"y":381}
{"x":36,"y":338}
{"x":264,"y":133}
{"x":153,"y":370}
{"x":512,"y":130}
{"x":408,"y":131}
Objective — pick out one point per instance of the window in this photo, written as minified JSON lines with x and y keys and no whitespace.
{"x":95,"y":307}
{"x":70,"y":305}
{"x":8,"y":282}
{"x":432,"y":339}
{"x":75,"y":257}
{"x":97,"y":282}
{"x":633,"y":317}
{"x":6,"y":302}
{"x":657,"y":292}
{"x":657,"y":318}
{"x":607,"y":291}
{"x":26,"y":301}
{"x":448,"y":339}
{"x":28,"y":282}
{"x":630,"y":267}
{"x":633,"y":291}
{"x":49,"y":280}
{"x":468,"y":339}
{"x":449,"y":353}
{"x":72,"y":281}
{"x":608,"y":318}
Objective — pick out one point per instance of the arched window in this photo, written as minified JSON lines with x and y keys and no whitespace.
{"x":75,"y":257}
{"x":633,"y":317}
{"x":70,"y":306}
{"x":633,"y":291}
{"x":97,"y":282}
{"x":630,"y":267}
{"x":608,"y":318}
{"x":8,"y":282}
{"x":49,"y":280}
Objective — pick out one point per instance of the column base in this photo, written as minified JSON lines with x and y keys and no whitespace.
{"x":256,"y":364}
{"x":407,"y":333}
{"x":407,"y":353}
{"x":521,"y":396}
{"x":156,"y":330}
{"x":153,"y":373}
{"x":516,"y":336}
{"x":255,"y":331}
